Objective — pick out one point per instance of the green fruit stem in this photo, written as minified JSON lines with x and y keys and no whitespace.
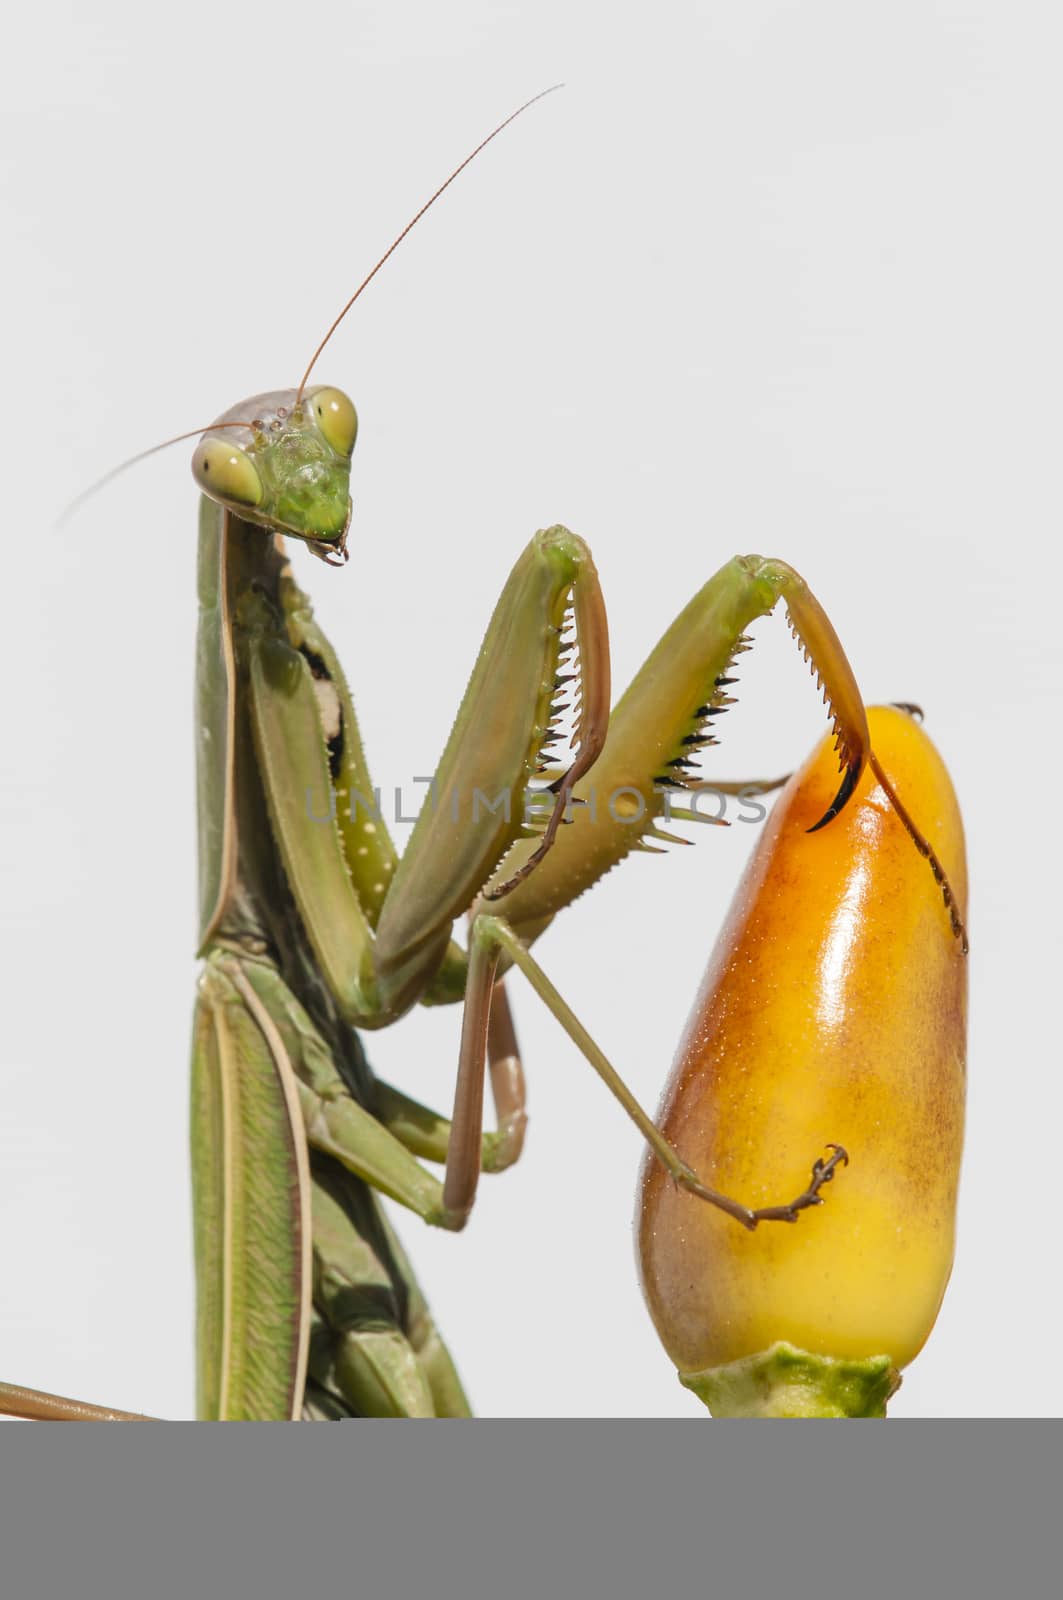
{"x":784,"y":1381}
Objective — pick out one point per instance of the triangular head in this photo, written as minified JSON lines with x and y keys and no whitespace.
{"x":283,"y":461}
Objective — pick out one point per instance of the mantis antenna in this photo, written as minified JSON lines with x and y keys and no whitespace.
{"x":193,"y":433}
{"x":133,"y":461}
{"x":413,"y":223}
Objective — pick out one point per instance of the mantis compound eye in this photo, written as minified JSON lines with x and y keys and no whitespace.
{"x":227,"y":473}
{"x":336,"y":417}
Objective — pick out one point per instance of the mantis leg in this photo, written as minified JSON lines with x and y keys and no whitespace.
{"x":655,"y":737}
{"x":428,"y":1135}
{"x":448,"y":1396}
{"x":664,"y":727}
{"x":656,"y":734}
{"x":380,"y":937}
{"x":378,"y":1142}
{"x":335,"y":1123}
{"x":492,"y":937}
{"x":374,"y":1350}
{"x":36,"y":1405}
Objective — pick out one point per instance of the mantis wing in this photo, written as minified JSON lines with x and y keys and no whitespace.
{"x":251,"y":1183}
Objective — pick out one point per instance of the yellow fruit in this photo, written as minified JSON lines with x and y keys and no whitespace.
{"x":834,"y":1009}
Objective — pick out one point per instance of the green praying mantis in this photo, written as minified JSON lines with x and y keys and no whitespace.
{"x":313,"y":930}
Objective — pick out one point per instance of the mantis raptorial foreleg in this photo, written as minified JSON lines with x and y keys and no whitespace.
{"x":496,"y":746}
{"x":655,"y":733}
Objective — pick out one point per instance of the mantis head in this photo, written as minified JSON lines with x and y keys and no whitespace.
{"x":283,"y":460}
{"x":288,"y":467}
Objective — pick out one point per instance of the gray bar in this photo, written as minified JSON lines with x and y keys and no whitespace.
{"x":528,"y":1508}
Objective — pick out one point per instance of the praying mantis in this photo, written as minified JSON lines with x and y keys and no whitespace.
{"x":313,"y":930}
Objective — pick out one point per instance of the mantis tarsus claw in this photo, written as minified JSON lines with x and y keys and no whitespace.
{"x":822,"y":1172}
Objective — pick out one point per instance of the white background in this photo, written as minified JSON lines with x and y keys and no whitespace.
{"x":774,"y":277}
